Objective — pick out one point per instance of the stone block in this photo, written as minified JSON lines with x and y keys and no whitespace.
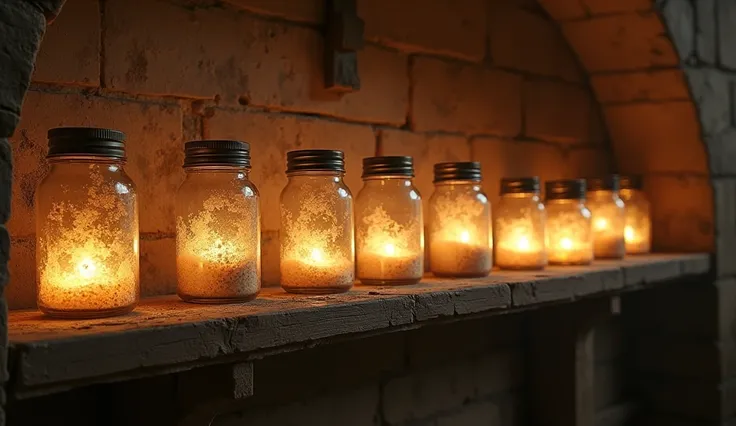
{"x":726,"y":15}
{"x":449,"y":28}
{"x":653,"y":85}
{"x":724,"y":193}
{"x":6,"y":179}
{"x":645,"y":140}
{"x":427,"y":150}
{"x":706,"y":30}
{"x":478,"y":414}
{"x":21,"y":27}
{"x":311,"y":11}
{"x":682,"y":213}
{"x":679,"y":16}
{"x":609,"y":341}
{"x":510,"y":158}
{"x":621,"y":42}
{"x":711,"y":92}
{"x":272,"y":135}
{"x":153,"y":145}
{"x":722,"y":152}
{"x":462,"y":98}
{"x":21,"y":290}
{"x":609,"y":384}
{"x":585,"y":161}
{"x":157,"y":265}
{"x":70,"y":49}
{"x":237,"y":58}
{"x":527,"y":41}
{"x":4,"y":256}
{"x":270,"y":258}
{"x":557,"y":112}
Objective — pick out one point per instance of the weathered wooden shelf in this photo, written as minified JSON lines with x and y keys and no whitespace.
{"x":166,"y":335}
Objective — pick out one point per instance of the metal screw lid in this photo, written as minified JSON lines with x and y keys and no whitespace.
{"x":72,"y":141}
{"x":631,"y":182}
{"x":565,"y":189}
{"x":522,"y":185}
{"x":316,"y":160}
{"x":607,"y":183}
{"x":388,"y":166}
{"x":466,"y":170}
{"x":230,"y":153}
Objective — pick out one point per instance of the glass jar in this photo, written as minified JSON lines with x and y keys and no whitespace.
{"x":317,"y":243}
{"x":389,"y":229}
{"x":86,"y":227}
{"x":609,"y":217}
{"x":519,"y":225}
{"x":460,"y":237}
{"x":218,"y":225}
{"x":569,"y":233}
{"x":638,"y":228}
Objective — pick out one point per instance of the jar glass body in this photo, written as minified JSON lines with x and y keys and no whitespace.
{"x":389,"y":238}
{"x":218,"y":236}
{"x":87,"y":250}
{"x":609,"y":218}
{"x":317,"y":234}
{"x":638,"y":229}
{"x":569,"y":232}
{"x":519,"y":232}
{"x":460,"y":232}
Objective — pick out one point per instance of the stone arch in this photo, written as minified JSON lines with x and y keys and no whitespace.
{"x":635,"y":52}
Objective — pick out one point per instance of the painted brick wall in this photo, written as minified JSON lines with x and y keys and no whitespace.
{"x":497,"y":84}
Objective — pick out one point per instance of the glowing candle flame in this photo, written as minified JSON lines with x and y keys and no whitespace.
{"x":316,"y":255}
{"x":523,"y":244}
{"x":601,"y":223}
{"x":629,"y":233}
{"x":87,"y":268}
{"x":566,"y":243}
{"x":465,"y":237}
{"x":389,"y":249}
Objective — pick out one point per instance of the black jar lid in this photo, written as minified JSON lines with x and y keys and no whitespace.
{"x":464,"y":170}
{"x":522,"y":185}
{"x":73,"y":141}
{"x":631,"y":182}
{"x":315,"y":160}
{"x":607,"y":183}
{"x":388,"y":166}
{"x":565,"y":189}
{"x":228,"y":153}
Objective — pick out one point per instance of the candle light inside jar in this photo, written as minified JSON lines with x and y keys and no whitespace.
{"x":638,"y":230}
{"x":608,"y":214}
{"x":519,"y":248}
{"x":316,"y":266}
{"x":568,"y":228}
{"x":519,"y":225}
{"x":386,"y":260}
{"x":458,"y":249}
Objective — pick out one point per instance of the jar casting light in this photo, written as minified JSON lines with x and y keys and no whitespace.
{"x":389,"y":229}
{"x":519,"y":225}
{"x":317,"y":244}
{"x":218,"y":238}
{"x":460,"y":232}
{"x":569,"y":233}
{"x":86,"y":226}
{"x":609,"y":217}
{"x":638,"y":228}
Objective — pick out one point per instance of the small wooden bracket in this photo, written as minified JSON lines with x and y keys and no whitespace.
{"x":343,"y":39}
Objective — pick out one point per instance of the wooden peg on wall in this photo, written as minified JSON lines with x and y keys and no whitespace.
{"x":343,"y":38}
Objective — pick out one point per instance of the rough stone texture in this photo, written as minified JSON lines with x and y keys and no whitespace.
{"x":239,"y":58}
{"x":70,"y":52}
{"x":724,"y":194}
{"x":462,"y":98}
{"x":556,"y":111}
{"x":655,"y":85}
{"x":311,"y":11}
{"x":21,"y":29}
{"x":706,"y":30}
{"x":678,"y":14}
{"x":526,"y":40}
{"x":621,"y":42}
{"x":462,"y":24}
{"x":726,"y":15}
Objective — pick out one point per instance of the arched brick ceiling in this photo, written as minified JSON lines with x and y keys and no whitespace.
{"x":635,"y":71}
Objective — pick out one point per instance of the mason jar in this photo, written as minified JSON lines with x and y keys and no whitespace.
{"x":569,"y":233}
{"x":638,"y":228}
{"x":389,"y":230}
{"x":460,"y":232}
{"x":86,"y":226}
{"x":609,"y":217}
{"x":218,"y":225}
{"x":519,"y":225}
{"x":317,"y":243}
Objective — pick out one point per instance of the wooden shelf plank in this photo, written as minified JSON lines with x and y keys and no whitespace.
{"x":165,"y":334}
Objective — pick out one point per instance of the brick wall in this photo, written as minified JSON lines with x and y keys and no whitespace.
{"x":498,"y":84}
